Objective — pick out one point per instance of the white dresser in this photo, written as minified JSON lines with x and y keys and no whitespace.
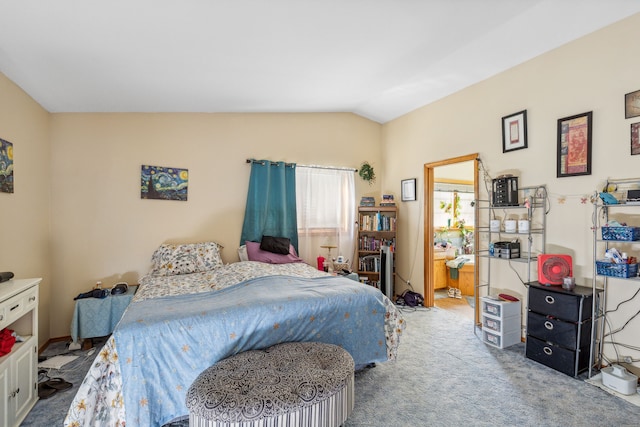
{"x":18,"y":369}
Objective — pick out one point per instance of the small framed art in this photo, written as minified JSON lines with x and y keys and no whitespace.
{"x":635,"y":138}
{"x":632,"y":104}
{"x":574,"y":145}
{"x":164,"y":183}
{"x":6,"y":166}
{"x":408,"y":190}
{"x":514,"y":131}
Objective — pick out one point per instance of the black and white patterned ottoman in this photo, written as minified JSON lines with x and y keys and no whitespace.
{"x":289,"y":384}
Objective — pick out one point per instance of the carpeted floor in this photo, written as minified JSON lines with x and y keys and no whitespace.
{"x":444,"y":376}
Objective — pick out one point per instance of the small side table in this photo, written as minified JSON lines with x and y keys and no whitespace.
{"x":97,"y":317}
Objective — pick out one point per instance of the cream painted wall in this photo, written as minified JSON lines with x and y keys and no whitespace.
{"x":25,"y":213}
{"x":77,"y":216}
{"x":102,"y":230}
{"x":589,"y":74}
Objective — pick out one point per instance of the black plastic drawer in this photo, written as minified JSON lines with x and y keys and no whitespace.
{"x":566,"y":334}
{"x":556,"y":357}
{"x":561,"y":305}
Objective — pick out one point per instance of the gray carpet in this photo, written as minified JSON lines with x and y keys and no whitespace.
{"x":445,"y":376}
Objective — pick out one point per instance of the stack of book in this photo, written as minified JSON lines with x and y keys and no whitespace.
{"x":367,"y":201}
{"x":387,"y":200}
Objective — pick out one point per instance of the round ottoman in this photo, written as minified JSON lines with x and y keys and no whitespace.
{"x":289,"y":384}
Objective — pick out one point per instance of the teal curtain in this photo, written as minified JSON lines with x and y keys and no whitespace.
{"x":271,"y":202}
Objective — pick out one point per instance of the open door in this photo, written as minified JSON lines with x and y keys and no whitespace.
{"x":429,"y":227}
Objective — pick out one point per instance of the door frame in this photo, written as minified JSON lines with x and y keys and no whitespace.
{"x":429,"y":228}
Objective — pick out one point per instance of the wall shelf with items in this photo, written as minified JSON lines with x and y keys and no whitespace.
{"x":616,"y":226}
{"x":518,"y":235}
{"x":377,"y":226}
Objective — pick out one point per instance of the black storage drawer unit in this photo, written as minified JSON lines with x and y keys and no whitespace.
{"x":558,"y":331}
{"x":559,"y":327}
{"x":557,"y":357}
{"x":573,"y":306}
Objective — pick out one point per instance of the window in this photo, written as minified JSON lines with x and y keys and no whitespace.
{"x":454,"y":214}
{"x":453,"y":204}
{"x":325,"y":203}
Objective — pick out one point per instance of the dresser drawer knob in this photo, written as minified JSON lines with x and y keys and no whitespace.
{"x":32,"y":299}
{"x":547,"y":351}
{"x":549,"y":299}
{"x":548,"y":325}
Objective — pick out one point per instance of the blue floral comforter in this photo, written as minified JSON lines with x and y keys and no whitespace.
{"x":173,"y":331}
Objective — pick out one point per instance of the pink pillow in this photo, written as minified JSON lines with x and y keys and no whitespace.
{"x":256,"y":254}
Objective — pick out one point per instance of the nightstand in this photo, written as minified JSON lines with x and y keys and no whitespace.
{"x":97,"y":317}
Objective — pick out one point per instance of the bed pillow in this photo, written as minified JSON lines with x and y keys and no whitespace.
{"x":242,"y":253}
{"x":170,"y":260}
{"x":277,"y":245}
{"x":256,"y":254}
{"x":209,"y":257}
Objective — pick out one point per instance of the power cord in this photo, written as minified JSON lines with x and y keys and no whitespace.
{"x":415,"y":247}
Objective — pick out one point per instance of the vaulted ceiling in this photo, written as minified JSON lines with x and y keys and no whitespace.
{"x":376,"y":58}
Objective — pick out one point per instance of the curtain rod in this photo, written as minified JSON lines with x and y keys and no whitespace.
{"x":272,"y":163}
{"x":305,"y":166}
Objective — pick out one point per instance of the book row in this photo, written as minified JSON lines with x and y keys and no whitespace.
{"x":370,"y":243}
{"x":377,"y":222}
{"x":369,"y":263}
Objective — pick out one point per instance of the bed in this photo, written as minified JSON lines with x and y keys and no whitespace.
{"x":191,"y":311}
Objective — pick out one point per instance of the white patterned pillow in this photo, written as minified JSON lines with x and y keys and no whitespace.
{"x":242,"y":253}
{"x":170,"y":260}
{"x":208,"y":256}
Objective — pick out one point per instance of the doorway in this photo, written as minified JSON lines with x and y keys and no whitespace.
{"x":459,"y":169}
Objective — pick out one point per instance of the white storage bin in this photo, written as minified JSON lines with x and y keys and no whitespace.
{"x":500,"y":322}
{"x":501,"y":341}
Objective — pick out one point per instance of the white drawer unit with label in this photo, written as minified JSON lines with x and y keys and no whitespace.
{"x":500,"y":322}
{"x":18,"y":368}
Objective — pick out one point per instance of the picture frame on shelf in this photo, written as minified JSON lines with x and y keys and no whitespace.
{"x":574,"y":145}
{"x":635,"y":138}
{"x":632,"y":104}
{"x":408,"y":190}
{"x":514,"y":131}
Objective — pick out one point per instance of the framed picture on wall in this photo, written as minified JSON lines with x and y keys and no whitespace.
{"x":164,"y":183}
{"x":632,"y":104}
{"x":6,"y":166}
{"x":574,"y":145}
{"x":408,"y":190}
{"x":635,"y":138}
{"x":514,"y":131}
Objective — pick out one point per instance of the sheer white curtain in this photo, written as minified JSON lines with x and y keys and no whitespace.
{"x":325,"y":203}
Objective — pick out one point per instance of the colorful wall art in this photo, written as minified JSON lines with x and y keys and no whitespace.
{"x":160,"y":182}
{"x":6,"y":166}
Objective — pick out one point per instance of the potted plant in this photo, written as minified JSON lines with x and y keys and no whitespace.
{"x":366,"y":173}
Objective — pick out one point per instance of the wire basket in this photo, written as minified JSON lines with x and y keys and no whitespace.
{"x":606,"y":268}
{"x":339,"y":266}
{"x":621,"y":233}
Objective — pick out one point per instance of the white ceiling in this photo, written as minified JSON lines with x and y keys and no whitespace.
{"x":376,"y":58}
